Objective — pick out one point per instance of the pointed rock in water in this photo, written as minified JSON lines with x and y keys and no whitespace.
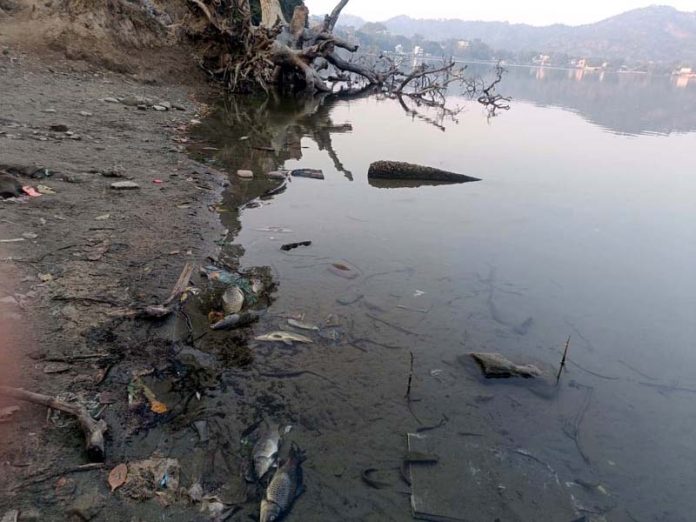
{"x":494,"y":365}
{"x":408,"y":171}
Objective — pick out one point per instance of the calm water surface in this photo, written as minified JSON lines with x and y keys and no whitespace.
{"x":582,"y":226}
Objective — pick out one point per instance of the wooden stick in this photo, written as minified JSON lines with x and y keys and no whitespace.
{"x":181,"y":284}
{"x":410,"y":379}
{"x":563,"y":360}
{"x":94,"y":430}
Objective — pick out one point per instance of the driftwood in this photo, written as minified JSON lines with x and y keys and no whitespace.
{"x":93,"y":429}
{"x":397,"y":170}
{"x":168,"y":307}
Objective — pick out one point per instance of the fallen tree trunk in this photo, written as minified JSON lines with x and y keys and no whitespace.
{"x":408,"y":171}
{"x":93,"y":429}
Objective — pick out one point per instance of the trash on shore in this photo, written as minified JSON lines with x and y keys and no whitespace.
{"x":156,"y":476}
{"x":398,"y":170}
{"x":496,"y":366}
{"x":221,"y":275}
{"x":285,"y":486}
{"x":10,"y":187}
{"x":307,"y":173}
{"x":284,"y":337}
{"x":31,"y":191}
{"x":232,"y":300}
{"x":292,"y":246}
{"x":233,"y":321}
{"x":137,"y":390}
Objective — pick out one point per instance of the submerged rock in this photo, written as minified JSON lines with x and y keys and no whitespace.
{"x":398,"y":170}
{"x":495,"y":365}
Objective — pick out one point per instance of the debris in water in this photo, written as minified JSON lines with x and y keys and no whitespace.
{"x":494,"y":365}
{"x":147,"y":478}
{"x":292,"y":246}
{"x":285,"y":486}
{"x":307,"y":173}
{"x":285,"y":337}
{"x":138,"y":389}
{"x":303,"y":326}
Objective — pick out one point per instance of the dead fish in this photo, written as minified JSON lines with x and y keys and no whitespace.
{"x":286,"y":485}
{"x":236,"y":321}
{"x":233,"y":300}
{"x":284,"y":337}
{"x":265,"y":451}
{"x":303,"y":326}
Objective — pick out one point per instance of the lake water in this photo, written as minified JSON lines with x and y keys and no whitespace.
{"x":582,"y":227}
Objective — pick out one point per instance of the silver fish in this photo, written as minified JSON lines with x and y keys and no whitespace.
{"x":232,"y":300}
{"x":236,"y":321}
{"x":268,"y":436}
{"x":286,"y":485}
{"x":284,"y":337}
{"x":303,"y":326}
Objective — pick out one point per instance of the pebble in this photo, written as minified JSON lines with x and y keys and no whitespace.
{"x":60,"y":127}
{"x":166,"y":105}
{"x":29,"y":235}
{"x":245,"y":174}
{"x":49,"y":111}
{"x":110,"y":100}
{"x":178,"y":107}
{"x":51,"y":368}
{"x":277,"y":174}
{"x":125,"y":185}
{"x":103,"y":217}
{"x":85,"y":114}
{"x":159,"y":108}
{"x":142,"y":107}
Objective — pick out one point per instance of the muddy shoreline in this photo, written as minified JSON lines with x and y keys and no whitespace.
{"x":84,"y":251}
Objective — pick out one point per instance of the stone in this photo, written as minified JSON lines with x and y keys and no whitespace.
{"x":159,"y":108}
{"x":142,"y":107}
{"x":10,"y":516}
{"x":125,"y":185}
{"x":277,"y":174}
{"x":49,"y":111}
{"x":245,"y":174}
{"x":110,"y":100}
{"x":87,"y":506}
{"x":178,"y":107}
{"x":495,"y":365}
{"x":86,"y":114}
{"x":59,"y":127}
{"x":166,"y":105}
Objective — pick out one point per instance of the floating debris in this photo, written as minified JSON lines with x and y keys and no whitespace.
{"x":284,"y":337}
{"x":292,"y":246}
{"x":303,"y":326}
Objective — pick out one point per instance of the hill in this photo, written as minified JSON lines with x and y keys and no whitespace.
{"x":656,"y":33}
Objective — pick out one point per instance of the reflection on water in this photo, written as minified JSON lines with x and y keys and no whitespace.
{"x":619,"y":102}
{"x":574,"y":231}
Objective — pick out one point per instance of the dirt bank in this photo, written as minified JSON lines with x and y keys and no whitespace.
{"x":83,"y":250}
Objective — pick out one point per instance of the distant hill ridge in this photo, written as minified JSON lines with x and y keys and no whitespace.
{"x":655,"y":33}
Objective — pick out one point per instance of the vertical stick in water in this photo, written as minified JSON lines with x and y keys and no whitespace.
{"x":410,"y":379}
{"x":563,"y":361}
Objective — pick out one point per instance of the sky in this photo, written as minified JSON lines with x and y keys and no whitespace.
{"x":535,"y":12}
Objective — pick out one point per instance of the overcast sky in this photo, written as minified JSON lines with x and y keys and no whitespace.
{"x":536,"y":12}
